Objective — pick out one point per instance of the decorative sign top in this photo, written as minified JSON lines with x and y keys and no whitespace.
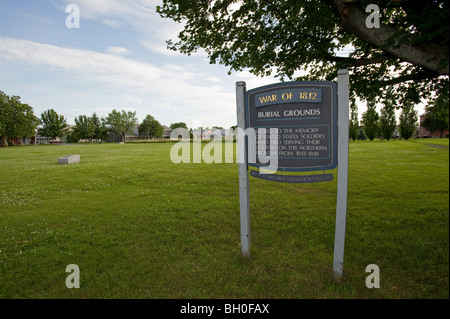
{"x":289,"y":96}
{"x":303,"y":118}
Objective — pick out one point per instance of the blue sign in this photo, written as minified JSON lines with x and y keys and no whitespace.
{"x":303,"y":118}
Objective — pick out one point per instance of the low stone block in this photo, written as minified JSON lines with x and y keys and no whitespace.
{"x":69,"y":159}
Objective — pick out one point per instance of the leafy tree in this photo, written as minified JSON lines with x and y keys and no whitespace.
{"x":150,"y":127}
{"x":25,"y":123}
{"x":17,"y":119}
{"x":387,"y":121}
{"x":177,"y":125}
{"x":408,"y":53}
{"x":361,"y":135}
{"x":84,"y":127}
{"x":99,"y":127}
{"x":437,"y":115}
{"x":370,"y":120}
{"x":354,"y":121}
{"x":53,"y":124}
{"x":408,"y":121}
{"x":121,"y":122}
{"x":72,"y":137}
{"x":87,"y":128}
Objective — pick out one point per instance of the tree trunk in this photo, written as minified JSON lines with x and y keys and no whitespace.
{"x":428,"y":56}
{"x":3,"y":141}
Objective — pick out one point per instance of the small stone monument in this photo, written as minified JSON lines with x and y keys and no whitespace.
{"x":69,"y":159}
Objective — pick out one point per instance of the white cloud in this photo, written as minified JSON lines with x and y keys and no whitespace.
{"x":181,"y":91}
{"x":159,"y":47}
{"x":214,"y":79}
{"x":140,"y":15}
{"x":76,"y":60}
{"x":134,"y":99}
{"x":115,"y":24}
{"x":252,"y":81}
{"x":118,"y":50}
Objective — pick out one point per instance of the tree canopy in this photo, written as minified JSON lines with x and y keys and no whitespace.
{"x":84,"y":127}
{"x":177,"y":125}
{"x":388,"y":122}
{"x":353,"y":125}
{"x":437,"y":115}
{"x":99,"y":127}
{"x":53,"y":124}
{"x":370,"y":121}
{"x":408,"y":53}
{"x":17,"y":119}
{"x":121,"y":122}
{"x":408,"y":121}
{"x":150,"y":127}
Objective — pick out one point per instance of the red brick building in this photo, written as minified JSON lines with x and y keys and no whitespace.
{"x":423,"y":132}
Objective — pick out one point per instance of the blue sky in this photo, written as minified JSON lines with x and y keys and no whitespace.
{"x":116,"y":59}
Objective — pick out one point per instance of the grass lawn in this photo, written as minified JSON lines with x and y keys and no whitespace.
{"x":140,"y":226}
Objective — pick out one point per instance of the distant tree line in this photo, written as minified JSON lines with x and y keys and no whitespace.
{"x":17,"y":120}
{"x":118,"y":122}
{"x":383,"y":125}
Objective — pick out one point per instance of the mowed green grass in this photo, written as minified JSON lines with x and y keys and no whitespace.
{"x":140,"y":226}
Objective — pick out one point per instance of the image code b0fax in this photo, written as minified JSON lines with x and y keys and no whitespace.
{"x":246,"y":308}
{"x":227,"y":309}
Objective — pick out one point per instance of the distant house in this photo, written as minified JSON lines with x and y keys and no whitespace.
{"x":38,"y":139}
{"x":212,"y":133}
{"x":423,"y":132}
{"x":58,"y":140}
{"x":132,"y":136}
{"x":45,"y":139}
{"x":35,"y":140}
{"x":24,"y":140}
{"x":115,"y":137}
{"x":166,"y":133}
{"x":136,"y":137}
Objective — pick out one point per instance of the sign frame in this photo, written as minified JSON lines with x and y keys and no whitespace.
{"x":342,"y":169}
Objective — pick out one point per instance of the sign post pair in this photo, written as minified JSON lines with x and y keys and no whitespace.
{"x":296,"y":127}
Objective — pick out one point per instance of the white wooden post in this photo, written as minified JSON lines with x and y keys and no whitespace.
{"x":244,"y":203}
{"x":342,"y":175}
